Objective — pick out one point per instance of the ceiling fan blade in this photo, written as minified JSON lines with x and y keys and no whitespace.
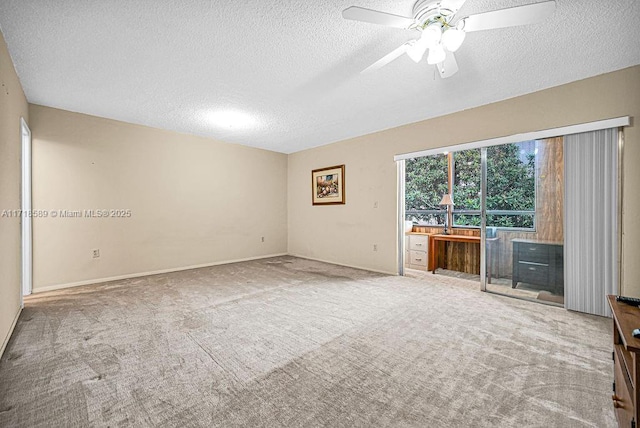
{"x":449,"y":66}
{"x":452,"y":5}
{"x":391,"y":56}
{"x":519,"y":15}
{"x":356,"y":13}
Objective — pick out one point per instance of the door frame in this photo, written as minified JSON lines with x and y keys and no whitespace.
{"x":515,"y":138}
{"x":401,"y":216}
{"x":26,"y":285}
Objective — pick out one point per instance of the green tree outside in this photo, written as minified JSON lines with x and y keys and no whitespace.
{"x":510,"y":186}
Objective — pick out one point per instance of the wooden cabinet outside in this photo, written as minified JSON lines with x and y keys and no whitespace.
{"x":540,"y":263}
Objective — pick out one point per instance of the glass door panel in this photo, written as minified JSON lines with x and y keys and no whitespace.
{"x":523,"y":186}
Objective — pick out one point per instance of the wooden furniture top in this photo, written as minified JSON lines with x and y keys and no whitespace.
{"x":627,"y":317}
{"x":537,"y":241}
{"x":418,"y":233}
{"x":455,"y":238}
{"x":459,"y":238}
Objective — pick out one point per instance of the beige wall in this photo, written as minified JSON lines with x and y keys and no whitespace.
{"x":346,"y":234}
{"x":194,"y":201}
{"x":13,"y":105}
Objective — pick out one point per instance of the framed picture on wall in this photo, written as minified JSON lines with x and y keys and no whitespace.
{"x":327,"y":185}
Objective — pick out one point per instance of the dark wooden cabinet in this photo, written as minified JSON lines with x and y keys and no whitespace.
{"x":626,"y":364}
{"x":539,"y":263}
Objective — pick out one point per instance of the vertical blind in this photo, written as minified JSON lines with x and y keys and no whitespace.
{"x":591,"y":220}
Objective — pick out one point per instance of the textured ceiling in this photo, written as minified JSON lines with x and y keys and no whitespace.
{"x":293,"y":65}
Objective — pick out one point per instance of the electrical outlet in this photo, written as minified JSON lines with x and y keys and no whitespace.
{"x":375,"y":247}
{"x":96,"y":253}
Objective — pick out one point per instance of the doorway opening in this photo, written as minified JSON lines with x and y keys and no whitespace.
{"x":523,"y":185}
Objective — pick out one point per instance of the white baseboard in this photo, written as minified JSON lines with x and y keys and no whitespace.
{"x":13,"y":326}
{"x":155,"y":272}
{"x":345,"y":265}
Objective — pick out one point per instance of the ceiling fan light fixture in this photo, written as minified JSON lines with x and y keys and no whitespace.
{"x":431,"y":35}
{"x":416,"y":50}
{"x":452,"y":39}
{"x":436,"y":55}
{"x":435,"y":18}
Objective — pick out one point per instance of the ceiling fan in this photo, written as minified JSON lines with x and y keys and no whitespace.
{"x":441,"y":33}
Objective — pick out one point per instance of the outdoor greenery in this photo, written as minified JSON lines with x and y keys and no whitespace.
{"x":510,"y":187}
{"x":426,"y":182}
{"x":511,"y":184}
{"x":466,"y":187}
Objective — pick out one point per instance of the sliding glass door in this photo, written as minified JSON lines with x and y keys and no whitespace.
{"x":522,"y":221}
{"x":536,"y":242}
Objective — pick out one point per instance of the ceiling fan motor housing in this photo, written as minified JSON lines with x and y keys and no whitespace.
{"x":426,"y":12}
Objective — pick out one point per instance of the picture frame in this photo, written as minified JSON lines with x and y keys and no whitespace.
{"x":327,"y":185}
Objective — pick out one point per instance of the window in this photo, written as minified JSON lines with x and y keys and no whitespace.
{"x":511,"y":185}
{"x":466,"y":188}
{"x":511,"y":194}
{"x":426,"y":182}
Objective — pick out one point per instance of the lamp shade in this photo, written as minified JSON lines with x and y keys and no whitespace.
{"x":452,"y":39}
{"x":416,"y":50}
{"x":431,"y":35}
{"x":446,"y":200}
{"x":436,"y":55}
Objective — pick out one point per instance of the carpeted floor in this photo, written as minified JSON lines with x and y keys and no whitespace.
{"x":297,"y":343}
{"x":501,"y":286}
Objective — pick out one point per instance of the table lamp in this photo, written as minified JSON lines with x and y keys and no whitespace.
{"x":448,"y":202}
